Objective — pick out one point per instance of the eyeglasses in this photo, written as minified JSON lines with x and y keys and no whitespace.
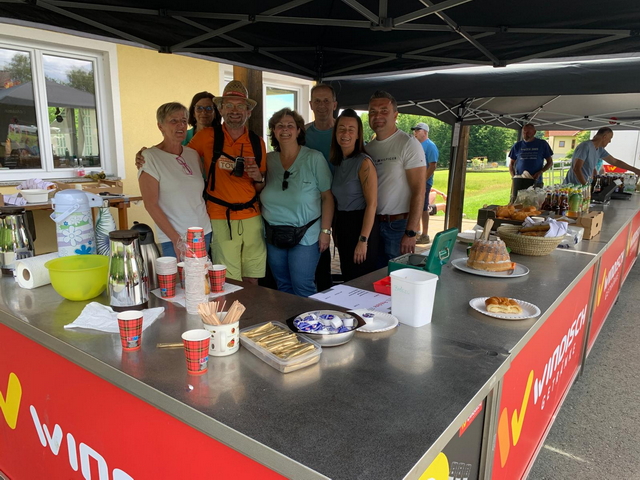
{"x":285,"y":184}
{"x":185,"y":167}
{"x":200,"y":108}
{"x":237,"y":106}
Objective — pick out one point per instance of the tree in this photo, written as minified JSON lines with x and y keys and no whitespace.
{"x":19,"y":68}
{"x":491,"y":142}
{"x":81,"y":79}
{"x":580,"y":137}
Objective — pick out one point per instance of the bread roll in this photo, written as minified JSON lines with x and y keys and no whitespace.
{"x":502,"y":305}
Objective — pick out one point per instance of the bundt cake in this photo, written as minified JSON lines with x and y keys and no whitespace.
{"x":490,"y":255}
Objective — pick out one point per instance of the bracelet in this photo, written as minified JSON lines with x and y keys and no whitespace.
{"x":325,"y":230}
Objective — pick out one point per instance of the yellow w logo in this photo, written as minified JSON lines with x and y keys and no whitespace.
{"x":600,"y":288}
{"x":11,"y":403}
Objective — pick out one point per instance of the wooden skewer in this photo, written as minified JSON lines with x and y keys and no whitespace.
{"x":170,"y":345}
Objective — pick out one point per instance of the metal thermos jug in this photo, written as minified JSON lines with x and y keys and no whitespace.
{"x":16,"y":237}
{"x":128,"y":278}
{"x":149,"y":251}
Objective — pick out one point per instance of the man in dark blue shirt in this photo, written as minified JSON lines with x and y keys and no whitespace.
{"x":530,"y":154}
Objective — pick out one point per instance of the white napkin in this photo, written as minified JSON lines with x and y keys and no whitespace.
{"x":556,"y":229}
{"x":35,"y":183}
{"x":524,"y":174}
{"x":101,"y":317}
{"x":179,"y":296}
{"x":14,"y":200}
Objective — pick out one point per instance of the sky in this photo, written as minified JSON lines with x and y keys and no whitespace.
{"x":55,"y":67}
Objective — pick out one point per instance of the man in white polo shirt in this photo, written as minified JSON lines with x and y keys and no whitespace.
{"x":401,"y":167}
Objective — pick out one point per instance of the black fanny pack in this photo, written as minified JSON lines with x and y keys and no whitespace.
{"x":285,"y":236}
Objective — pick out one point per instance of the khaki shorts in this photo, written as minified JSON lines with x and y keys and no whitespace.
{"x":245,"y":255}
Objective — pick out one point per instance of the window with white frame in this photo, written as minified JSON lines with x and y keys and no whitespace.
{"x":53,"y":110}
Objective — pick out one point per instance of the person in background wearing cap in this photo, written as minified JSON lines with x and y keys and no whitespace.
{"x":531,"y":154}
{"x":318,"y":137}
{"x":232,"y":184}
{"x":421,"y":132}
{"x":400,"y":164}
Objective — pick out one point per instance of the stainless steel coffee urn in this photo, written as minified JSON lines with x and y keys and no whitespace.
{"x":149,"y":251}
{"x":128,"y":277}
{"x":16,"y":237}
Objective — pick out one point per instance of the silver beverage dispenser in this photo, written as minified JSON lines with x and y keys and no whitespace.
{"x":149,"y":251}
{"x":128,"y":278}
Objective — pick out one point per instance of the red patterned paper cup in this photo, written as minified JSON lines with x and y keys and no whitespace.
{"x":195,"y":235}
{"x":130,"y":325}
{"x":181,"y":273}
{"x":217,"y":277}
{"x":196,"y":350}
{"x":167,"y":285}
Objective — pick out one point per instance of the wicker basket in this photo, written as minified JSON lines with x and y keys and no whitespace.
{"x":526,"y":245}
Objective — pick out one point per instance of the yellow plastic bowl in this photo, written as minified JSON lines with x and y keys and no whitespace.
{"x":79,"y":277}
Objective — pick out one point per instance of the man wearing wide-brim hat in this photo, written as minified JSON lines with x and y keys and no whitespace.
{"x":232,"y":186}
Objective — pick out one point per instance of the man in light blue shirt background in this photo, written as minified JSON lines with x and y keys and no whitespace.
{"x":421,"y":132}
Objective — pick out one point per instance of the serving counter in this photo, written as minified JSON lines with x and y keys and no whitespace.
{"x":466,"y":392}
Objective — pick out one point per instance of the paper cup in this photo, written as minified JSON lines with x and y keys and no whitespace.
{"x":217,"y":277}
{"x":181,"y":273}
{"x":196,"y":350}
{"x":196,"y":247}
{"x":195,"y":234}
{"x":130,"y":324}
{"x":225,"y":339}
{"x":167,"y":285}
{"x":166,"y":265}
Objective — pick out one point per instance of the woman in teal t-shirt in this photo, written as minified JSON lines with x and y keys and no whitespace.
{"x":202,"y":114}
{"x":298,"y":194}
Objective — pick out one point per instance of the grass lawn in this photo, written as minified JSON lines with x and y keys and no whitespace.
{"x":481,"y":188}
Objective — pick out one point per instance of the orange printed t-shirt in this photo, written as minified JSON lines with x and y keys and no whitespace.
{"x":229,"y":188}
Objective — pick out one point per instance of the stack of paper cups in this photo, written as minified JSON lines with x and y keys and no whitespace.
{"x":195,"y":270}
{"x":196,"y":247}
{"x":167,"y":270}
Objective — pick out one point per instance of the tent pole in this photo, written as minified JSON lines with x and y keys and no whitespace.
{"x":457,"y":172}
{"x":252,"y":79}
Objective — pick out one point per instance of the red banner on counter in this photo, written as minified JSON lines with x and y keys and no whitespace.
{"x":608,"y":283}
{"x":536,"y":382}
{"x":632,"y":245}
{"x":60,"y":421}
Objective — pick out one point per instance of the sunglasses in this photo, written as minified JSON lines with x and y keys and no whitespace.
{"x":200,"y":108}
{"x":285,"y":183}
{"x":185,"y":167}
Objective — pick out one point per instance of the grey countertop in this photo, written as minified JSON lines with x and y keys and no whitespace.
{"x":379,"y":407}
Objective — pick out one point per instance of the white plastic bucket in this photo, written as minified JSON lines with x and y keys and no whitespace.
{"x":412,"y":295}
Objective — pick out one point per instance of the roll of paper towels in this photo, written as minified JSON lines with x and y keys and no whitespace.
{"x":31,"y":272}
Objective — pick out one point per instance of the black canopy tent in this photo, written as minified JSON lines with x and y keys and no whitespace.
{"x":566,"y":95}
{"x":321,"y":39}
{"x":326,"y":38}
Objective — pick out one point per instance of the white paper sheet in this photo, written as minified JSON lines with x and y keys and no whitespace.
{"x":180,"y":300}
{"x":353,"y":298}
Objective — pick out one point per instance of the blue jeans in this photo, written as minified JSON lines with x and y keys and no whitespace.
{"x":168,"y":251}
{"x":391,"y":234}
{"x":294,"y":268}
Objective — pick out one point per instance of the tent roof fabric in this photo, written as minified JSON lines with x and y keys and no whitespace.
{"x":323,"y":39}
{"x":568,"y":95}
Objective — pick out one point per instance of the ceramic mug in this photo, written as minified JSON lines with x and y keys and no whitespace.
{"x":225,"y":339}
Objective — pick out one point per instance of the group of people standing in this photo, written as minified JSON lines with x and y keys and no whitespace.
{"x":282,"y":208}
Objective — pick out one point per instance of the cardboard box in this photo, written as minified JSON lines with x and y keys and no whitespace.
{"x":591,"y":222}
{"x":111,"y":186}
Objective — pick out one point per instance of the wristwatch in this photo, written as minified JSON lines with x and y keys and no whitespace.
{"x":410,"y":233}
{"x":325,"y":230}
{"x":261,"y":180}
{"x":363,"y":239}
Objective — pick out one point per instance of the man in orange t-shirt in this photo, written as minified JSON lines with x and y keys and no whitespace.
{"x":238,"y":240}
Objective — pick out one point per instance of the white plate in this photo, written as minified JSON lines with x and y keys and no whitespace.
{"x":467,"y":236}
{"x":381,"y":321}
{"x":529,"y":310}
{"x":461,"y":264}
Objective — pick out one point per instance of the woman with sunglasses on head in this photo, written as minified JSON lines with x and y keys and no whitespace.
{"x":355,"y":188}
{"x":297,"y":205}
{"x":203,"y":113}
{"x":171,"y":181}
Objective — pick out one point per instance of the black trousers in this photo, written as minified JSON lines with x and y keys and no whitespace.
{"x":348,"y":227}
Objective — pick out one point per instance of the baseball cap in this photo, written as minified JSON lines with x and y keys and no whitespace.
{"x":421,"y":126}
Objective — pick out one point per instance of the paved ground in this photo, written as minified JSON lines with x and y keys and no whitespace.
{"x":596,"y":435}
